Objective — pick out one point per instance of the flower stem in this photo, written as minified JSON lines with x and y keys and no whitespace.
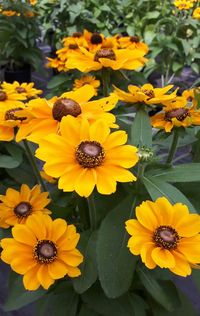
{"x":92,"y":212}
{"x":105,"y":75}
{"x":173,"y":147}
{"x":34,"y":165}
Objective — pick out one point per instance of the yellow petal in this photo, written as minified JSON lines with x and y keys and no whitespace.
{"x":59,"y":227}
{"x":86,"y":181}
{"x":182,"y":266}
{"x":163,"y":258}
{"x":57,"y":269}
{"x":146,"y":216}
{"x":30,"y":279}
{"x":43,"y":277}
{"x":24,"y":235}
{"x":99,"y":131}
{"x":146,"y":252}
{"x":188,"y":225}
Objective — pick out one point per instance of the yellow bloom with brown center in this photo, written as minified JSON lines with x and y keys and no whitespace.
{"x":165,"y":235}
{"x":27,"y":90}
{"x":9,"y":12}
{"x":17,"y":206}
{"x":47,"y":114}
{"x":9,"y":120}
{"x":177,"y":113}
{"x":57,"y":64}
{"x":84,"y":155}
{"x":132,"y":42}
{"x":33,"y":2}
{"x":42,"y":250}
{"x":93,"y":41}
{"x":183,"y":4}
{"x":146,"y":94}
{"x":91,"y":80}
{"x":87,"y":61}
{"x":196,"y":13}
{"x":10,"y":98}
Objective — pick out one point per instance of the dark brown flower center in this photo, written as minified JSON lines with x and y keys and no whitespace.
{"x":149,"y":93}
{"x":105,"y":53}
{"x":10,"y":115}
{"x":3,"y":96}
{"x":45,"y":251}
{"x":134,"y":39}
{"x":20,"y":90}
{"x":23,"y":209}
{"x":90,"y":154}
{"x":73,"y":46}
{"x":63,"y":107}
{"x":180,"y":114}
{"x":96,"y":38}
{"x":77,"y":34}
{"x":166,"y":237}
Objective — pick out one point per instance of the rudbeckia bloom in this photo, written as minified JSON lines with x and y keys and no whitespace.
{"x":17,"y":206}
{"x":56,"y":63}
{"x":132,"y":42}
{"x":196,"y":13}
{"x":183,"y":4}
{"x":165,"y":235}
{"x":87,"y":155}
{"x":8,"y":98}
{"x":146,"y":94}
{"x":87,"y":61}
{"x":47,"y":114}
{"x":42,"y":250}
{"x":27,"y":90}
{"x":176,"y":113}
{"x":91,"y":80}
{"x":9,"y":12}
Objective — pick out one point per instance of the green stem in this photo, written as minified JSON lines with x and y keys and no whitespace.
{"x":92,"y":212}
{"x":105,"y":75}
{"x":173,"y":147}
{"x":34,"y":165}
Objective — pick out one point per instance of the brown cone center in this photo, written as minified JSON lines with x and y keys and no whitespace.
{"x":180,"y":114}
{"x":77,"y":34}
{"x":149,"y":93}
{"x":73,"y":46}
{"x":96,"y":38}
{"x":105,"y":53}
{"x":3,"y":96}
{"x":166,"y":237}
{"x":63,"y":107}
{"x":90,"y":154}
{"x":23,"y":209}
{"x":20,"y":90}
{"x":45,"y":251}
{"x":134,"y":39}
{"x":10,"y":115}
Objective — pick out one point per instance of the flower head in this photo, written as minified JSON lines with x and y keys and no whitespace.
{"x":85,"y":153}
{"x":10,"y":97}
{"x":17,"y":206}
{"x":9,"y":12}
{"x":183,"y":4}
{"x":91,"y":80}
{"x":27,"y":90}
{"x":146,"y":94}
{"x":196,"y":13}
{"x":42,"y":250}
{"x":165,"y":235}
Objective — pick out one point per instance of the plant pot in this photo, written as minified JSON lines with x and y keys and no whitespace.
{"x":20,"y":75}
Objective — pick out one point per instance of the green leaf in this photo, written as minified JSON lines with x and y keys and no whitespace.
{"x":158,"y":188}
{"x":141,"y":132}
{"x":164,"y":292}
{"x":85,"y":311}
{"x":18,"y":296}
{"x":8,"y":162}
{"x":57,"y":80}
{"x":15,"y":151}
{"x":87,"y":246}
{"x":116,"y":264}
{"x":181,"y":173}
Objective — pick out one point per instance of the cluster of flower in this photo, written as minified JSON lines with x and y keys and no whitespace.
{"x":187,"y":5}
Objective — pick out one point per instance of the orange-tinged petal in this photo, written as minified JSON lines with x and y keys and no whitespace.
{"x":25,"y":193}
{"x":182,"y":266}
{"x":163,"y":258}
{"x":146,"y":216}
{"x":59,"y":227}
{"x":133,"y":227}
{"x":43,"y":277}
{"x":73,"y":271}
{"x":57,"y":269}
{"x":73,"y":258}
{"x":70,"y":129}
{"x":30,"y":280}
{"x":146,"y":252}
{"x":135,"y":243}
{"x":105,"y":185}
{"x":85,"y":183}
{"x":24,"y":235}
{"x":81,"y":95}
{"x":188,"y":225}
{"x":99,"y":131}
{"x":115,"y":139}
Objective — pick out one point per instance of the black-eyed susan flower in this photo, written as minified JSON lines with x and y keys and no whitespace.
{"x":9,"y":12}
{"x":176,"y":113}
{"x":87,"y":61}
{"x":56,"y":63}
{"x":146,"y":94}
{"x":91,"y":80}
{"x":196,"y":13}
{"x":10,"y":97}
{"x":132,"y":42}
{"x":27,"y":90}
{"x":165,"y":235}
{"x":42,"y":250}
{"x":84,"y":155}
{"x":183,"y":4}
{"x":47,"y":114}
{"x":17,"y":206}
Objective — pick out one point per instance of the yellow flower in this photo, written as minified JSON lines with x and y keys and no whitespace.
{"x":196,"y":13}
{"x":9,"y":12}
{"x":57,"y":64}
{"x":91,"y":80}
{"x":132,"y":42}
{"x":183,"y":4}
{"x":29,"y":14}
{"x":16,"y":206}
{"x":9,"y":120}
{"x":165,"y":235}
{"x":177,"y":113}
{"x":27,"y":90}
{"x":47,"y":114}
{"x":87,"y":61}
{"x":42,"y":250}
{"x":10,"y":97}
{"x":146,"y":94}
{"x":87,"y":155}
{"x":33,"y":2}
